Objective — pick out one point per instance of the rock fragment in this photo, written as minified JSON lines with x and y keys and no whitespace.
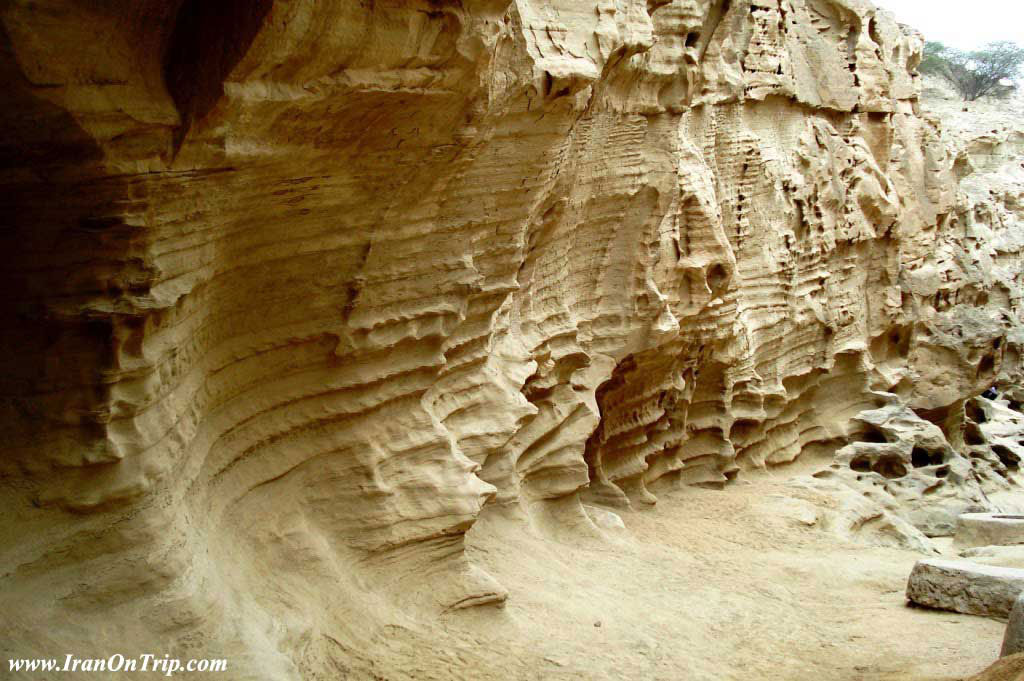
{"x":989,"y":529}
{"x":1013,"y":639}
{"x":965,"y":587}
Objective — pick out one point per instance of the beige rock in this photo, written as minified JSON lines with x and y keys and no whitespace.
{"x":1013,"y":640}
{"x":963,"y":586}
{"x":1003,"y":556}
{"x":1007,"y":669}
{"x":907,"y":462}
{"x":296,"y":293}
{"x":989,"y":529}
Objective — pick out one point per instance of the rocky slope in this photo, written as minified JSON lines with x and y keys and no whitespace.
{"x":297,"y":292}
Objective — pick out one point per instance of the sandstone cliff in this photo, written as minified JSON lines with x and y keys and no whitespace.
{"x":297,"y":292}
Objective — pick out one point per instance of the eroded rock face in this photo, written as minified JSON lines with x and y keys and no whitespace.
{"x":301,"y":289}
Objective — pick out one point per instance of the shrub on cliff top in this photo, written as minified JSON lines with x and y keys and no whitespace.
{"x":990,"y":71}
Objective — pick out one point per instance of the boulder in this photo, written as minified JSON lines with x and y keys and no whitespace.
{"x":1001,"y":556}
{"x":962,"y":586}
{"x":1013,"y":639}
{"x":989,"y":529}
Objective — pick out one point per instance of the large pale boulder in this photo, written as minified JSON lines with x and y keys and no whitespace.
{"x":989,"y":529}
{"x":962,"y":586}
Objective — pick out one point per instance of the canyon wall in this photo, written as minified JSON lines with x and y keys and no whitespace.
{"x":297,"y":290}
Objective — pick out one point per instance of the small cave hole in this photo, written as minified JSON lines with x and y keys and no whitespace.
{"x":861,"y":464}
{"x":1006,"y":457}
{"x":873,"y":32}
{"x":921,"y":457}
{"x":717,"y":277}
{"x":988,"y":364}
{"x":942,"y":472}
{"x":743,"y":429}
{"x":973,"y":435}
{"x":976,"y":413}
{"x":692,"y":38}
{"x":873,"y":435}
{"x":890,"y":467}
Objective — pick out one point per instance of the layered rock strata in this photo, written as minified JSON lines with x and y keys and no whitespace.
{"x":296,"y":291}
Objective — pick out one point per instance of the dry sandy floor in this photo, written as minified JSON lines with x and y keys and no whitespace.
{"x":707,"y":585}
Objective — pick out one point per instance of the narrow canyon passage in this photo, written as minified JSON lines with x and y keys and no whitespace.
{"x":498,"y":339}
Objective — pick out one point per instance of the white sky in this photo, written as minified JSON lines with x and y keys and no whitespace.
{"x":964,"y":24}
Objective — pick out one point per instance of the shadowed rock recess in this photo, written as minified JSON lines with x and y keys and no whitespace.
{"x":296,"y":292}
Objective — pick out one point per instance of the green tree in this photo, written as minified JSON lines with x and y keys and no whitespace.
{"x":990,"y":71}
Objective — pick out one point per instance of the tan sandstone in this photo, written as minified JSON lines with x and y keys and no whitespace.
{"x":307,"y":302}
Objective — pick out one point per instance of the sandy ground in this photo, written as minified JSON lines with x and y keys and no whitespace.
{"x":707,"y":585}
